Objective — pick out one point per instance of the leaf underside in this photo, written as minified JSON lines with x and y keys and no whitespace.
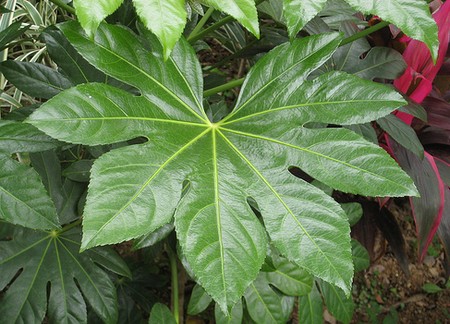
{"x":137,"y":189}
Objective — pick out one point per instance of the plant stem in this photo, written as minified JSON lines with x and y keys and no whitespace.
{"x":64,"y":6}
{"x":210,"y":29}
{"x":174,"y":282}
{"x":70,"y":226}
{"x":201,"y":23}
{"x":227,"y":86}
{"x":364,"y":33}
{"x":213,"y":27}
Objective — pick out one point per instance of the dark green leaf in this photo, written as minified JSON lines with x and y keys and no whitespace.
{"x":364,"y":130}
{"x":378,"y":62}
{"x":17,"y":137}
{"x":79,"y":170}
{"x":289,"y":278}
{"x":415,"y":110}
{"x":161,"y":314}
{"x":199,"y":301}
{"x":310,"y":307}
{"x":12,"y":33}
{"x":354,"y":212}
{"x":52,"y":258}
{"x":24,"y":200}
{"x":75,"y":67}
{"x":235,"y":316}
{"x":339,"y":305}
{"x":34,"y":79}
{"x":265,"y":305}
{"x":360,"y":255}
{"x":402,"y":133}
{"x":154,"y":237}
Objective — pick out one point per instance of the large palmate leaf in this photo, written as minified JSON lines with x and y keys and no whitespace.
{"x":298,"y":13}
{"x":41,"y":264}
{"x":135,"y":190}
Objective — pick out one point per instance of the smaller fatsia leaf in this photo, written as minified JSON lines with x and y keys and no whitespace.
{"x":165,"y":18}
{"x":243,"y":11}
{"x":23,"y":198}
{"x":90,"y":13}
{"x":299,"y":12}
{"x":33,"y":264}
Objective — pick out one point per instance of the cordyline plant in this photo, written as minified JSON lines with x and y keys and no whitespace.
{"x":225,"y":185}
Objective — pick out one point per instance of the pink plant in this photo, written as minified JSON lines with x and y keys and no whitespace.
{"x":417,"y":83}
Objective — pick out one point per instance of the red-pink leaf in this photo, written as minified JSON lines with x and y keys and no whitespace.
{"x":428,"y":208}
{"x":419,"y":76}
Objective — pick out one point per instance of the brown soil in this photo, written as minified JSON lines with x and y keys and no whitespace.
{"x":385,"y":294}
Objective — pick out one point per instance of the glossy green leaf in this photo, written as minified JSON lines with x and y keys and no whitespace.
{"x":364,"y":130}
{"x":243,"y":11}
{"x":199,"y":301}
{"x":35,"y":79}
{"x":48,"y":262}
{"x":165,"y":18}
{"x":367,"y":62}
{"x":90,"y":13}
{"x":12,"y":33}
{"x":354,"y":212}
{"x":339,"y":305}
{"x":154,"y":237}
{"x":298,"y":13}
{"x":265,"y":305}
{"x":402,"y":133}
{"x":361,"y":259}
{"x":23,"y":199}
{"x":75,"y":67}
{"x":235,"y":316}
{"x":161,"y":314}
{"x":411,"y":16}
{"x":310,"y":307}
{"x":17,"y":137}
{"x":137,"y":189}
{"x":289,"y":278}
{"x":79,"y":170}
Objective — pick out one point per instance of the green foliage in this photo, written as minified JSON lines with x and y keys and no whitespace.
{"x":216,"y":228}
{"x":52,"y":257}
{"x":125,"y":115}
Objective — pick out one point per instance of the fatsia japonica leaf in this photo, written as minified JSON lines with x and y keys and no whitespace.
{"x":243,"y":11}
{"x":378,"y":62}
{"x":135,"y":190}
{"x":90,"y":13}
{"x":23,"y":198}
{"x":165,"y":18}
{"x":34,"y":264}
{"x":411,"y":16}
{"x":298,"y":13}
